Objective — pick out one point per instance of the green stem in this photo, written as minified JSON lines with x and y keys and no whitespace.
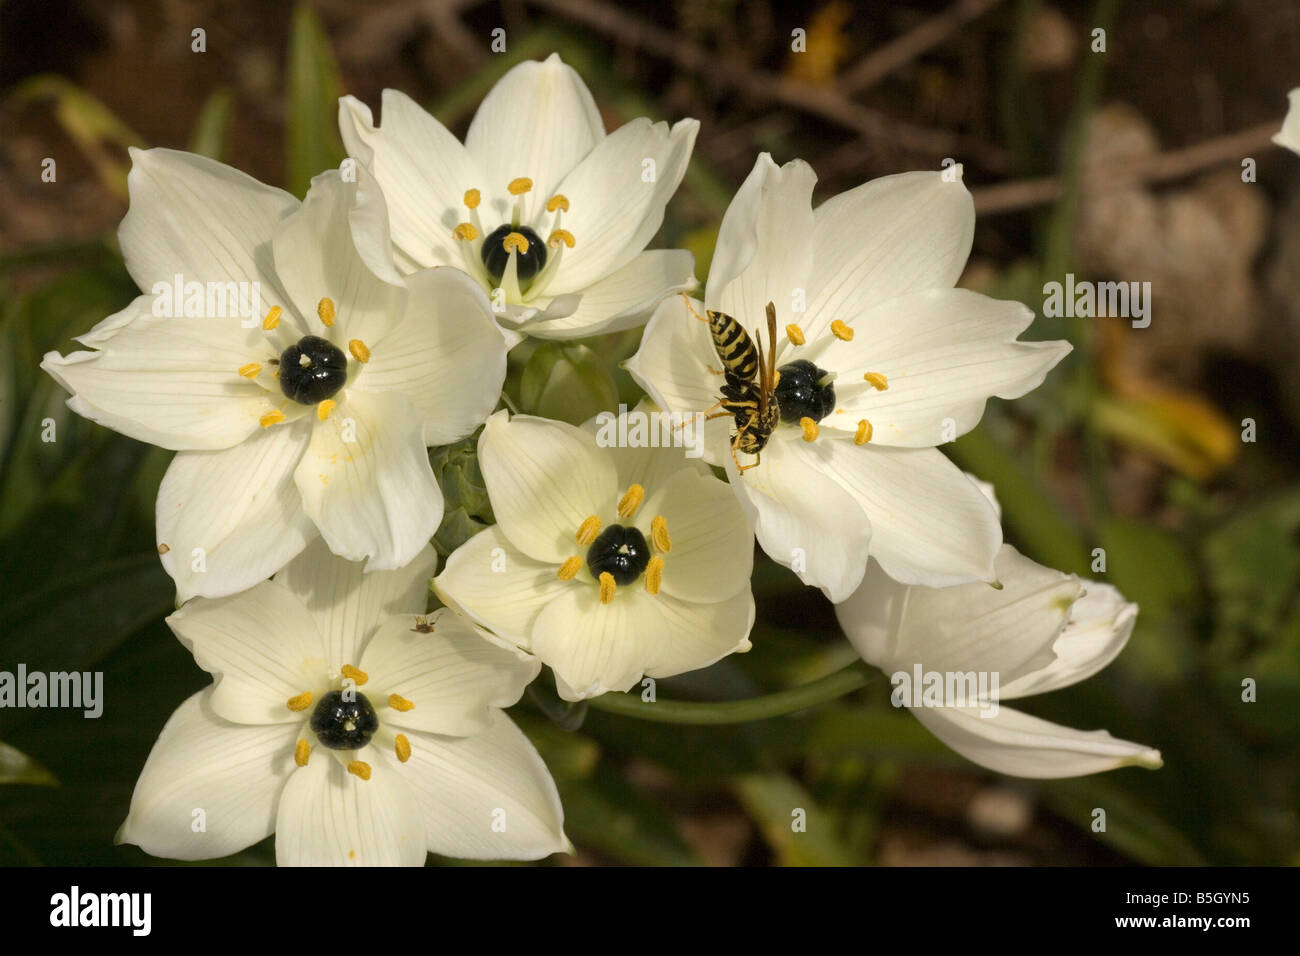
{"x":833,"y":685}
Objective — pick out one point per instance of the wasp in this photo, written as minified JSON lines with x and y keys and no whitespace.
{"x":422,"y":626}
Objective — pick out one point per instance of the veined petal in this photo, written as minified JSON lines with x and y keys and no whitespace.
{"x":698,"y":635}
{"x":455,"y":678}
{"x":329,"y":817}
{"x":641,"y":462}
{"x":1289,"y":134}
{"x":593,"y":647}
{"x":544,"y":478}
{"x":1017,"y":744}
{"x":870,"y":617}
{"x":712,"y":545}
{"x":486,"y":797}
{"x":232,"y":772}
{"x":367,"y":483}
{"x":228,"y":519}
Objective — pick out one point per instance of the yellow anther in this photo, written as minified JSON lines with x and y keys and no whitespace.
{"x":607,"y":587}
{"x":515,"y":242}
{"x":809,"y":427}
{"x":654,"y":574}
{"x":588,"y":530}
{"x":841,"y":331}
{"x":472,"y":198}
{"x":569,"y":569}
{"x":863,"y":434}
{"x":324,"y":408}
{"x":300,"y":701}
{"x":465,"y":231}
{"x":251,"y":370}
{"x":560,"y":236}
{"x":403,"y":748}
{"x":659,"y":534}
{"x":520,"y":186}
{"x":301,"y":752}
{"x":272,"y":318}
{"x":794,"y":334}
{"x":271,"y":418}
{"x":354,"y":674}
{"x":397,"y":702}
{"x":558,"y":201}
{"x":630,"y":501}
{"x":325,"y":309}
{"x":359,"y":351}
{"x":878,"y":381}
{"x":359,"y":768}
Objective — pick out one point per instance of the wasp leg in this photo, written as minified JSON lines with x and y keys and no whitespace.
{"x":715,"y":371}
{"x":687,"y":299}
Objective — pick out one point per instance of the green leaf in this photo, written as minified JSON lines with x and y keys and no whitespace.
{"x":17,"y":767}
{"x":568,"y":382}
{"x":798,"y":830}
{"x":314,"y":86}
{"x":209,"y":136}
{"x":1131,"y":828}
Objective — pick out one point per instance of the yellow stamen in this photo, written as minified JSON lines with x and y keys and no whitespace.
{"x":810,"y":429}
{"x":630,"y":501}
{"x":569,"y":569}
{"x":359,"y":351}
{"x":607,"y":587}
{"x":472,"y":198}
{"x":588,"y":530}
{"x":359,"y":768}
{"x":515,"y":242}
{"x":403,"y":748}
{"x":272,"y":318}
{"x":841,"y":331}
{"x":325,"y":309}
{"x":251,"y":370}
{"x":398,"y":702}
{"x":520,"y":186}
{"x":271,"y":418}
{"x":863,"y":434}
{"x":560,"y":236}
{"x":878,"y":381}
{"x":794,"y":334}
{"x":558,"y":201}
{"x":659,"y":534}
{"x":300,"y":702}
{"x":654,"y":574}
{"x":465,"y":231}
{"x":301,"y":752}
{"x":324,"y":408}
{"x":354,"y":674}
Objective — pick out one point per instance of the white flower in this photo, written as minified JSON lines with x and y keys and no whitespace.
{"x":358,"y":733}
{"x":606,"y":563}
{"x":1289,"y":134}
{"x":865,"y":284}
{"x":538,"y":202}
{"x":1042,"y":631}
{"x":381,"y":367}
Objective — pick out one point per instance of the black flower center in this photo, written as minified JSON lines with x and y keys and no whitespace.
{"x":620,"y":550}
{"x":496,"y":256}
{"x":801,"y":394}
{"x":344,"y":724}
{"x":312,"y":370}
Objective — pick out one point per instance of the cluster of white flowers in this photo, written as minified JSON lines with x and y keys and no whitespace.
{"x":361,"y":731}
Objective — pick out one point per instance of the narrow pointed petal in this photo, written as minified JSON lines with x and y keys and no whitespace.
{"x":697,"y":635}
{"x":1289,"y":134}
{"x":593,"y":647}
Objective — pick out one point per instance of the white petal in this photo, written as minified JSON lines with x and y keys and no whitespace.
{"x":803,"y":518}
{"x":228,"y":519}
{"x":885,"y":238}
{"x":367,"y":483}
{"x":422,"y":169}
{"x":1289,"y":134}
{"x":712,"y":545}
{"x":347,"y":603}
{"x":231,"y":772}
{"x":870,"y":615}
{"x":544,"y":479}
{"x":650,"y":458}
{"x":613,"y":211}
{"x":453,"y":676}
{"x":593,"y":647}
{"x":262,"y":647}
{"x":486,"y":797}
{"x":446,"y":355}
{"x":697,"y":635}
{"x":944,"y":352}
{"x":623,"y":299}
{"x":330,"y":817}
{"x":538,"y":121}
{"x":202,"y":219}
{"x":502,"y":590}
{"x":1023,"y":746}
{"x":930,"y":524}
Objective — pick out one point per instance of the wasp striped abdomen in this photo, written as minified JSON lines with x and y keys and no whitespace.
{"x":734,"y":346}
